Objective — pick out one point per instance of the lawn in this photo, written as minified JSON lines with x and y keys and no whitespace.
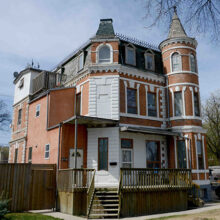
{"x":208,"y":215}
{"x":28,"y":216}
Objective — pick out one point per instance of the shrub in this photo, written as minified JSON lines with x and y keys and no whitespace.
{"x":4,"y":201}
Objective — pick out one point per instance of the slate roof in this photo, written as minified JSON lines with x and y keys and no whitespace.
{"x":176,"y":28}
{"x":105,"y":28}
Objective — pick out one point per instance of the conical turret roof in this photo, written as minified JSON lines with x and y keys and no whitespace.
{"x":176,"y":28}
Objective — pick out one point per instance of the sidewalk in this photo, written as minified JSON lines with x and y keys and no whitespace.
{"x":207,"y":207}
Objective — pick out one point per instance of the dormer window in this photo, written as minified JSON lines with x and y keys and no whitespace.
{"x":176,"y":62}
{"x":149,"y":61}
{"x":21,"y":84}
{"x":192,"y":63}
{"x":80,"y":62}
{"x":104,"y":54}
{"x":130,"y":55}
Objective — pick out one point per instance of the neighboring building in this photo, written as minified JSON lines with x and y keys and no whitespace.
{"x":137,"y":106}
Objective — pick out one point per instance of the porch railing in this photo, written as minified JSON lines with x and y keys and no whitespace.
{"x":154,"y":179}
{"x":70,"y":180}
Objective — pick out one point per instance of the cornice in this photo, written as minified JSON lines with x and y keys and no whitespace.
{"x":178,"y":40}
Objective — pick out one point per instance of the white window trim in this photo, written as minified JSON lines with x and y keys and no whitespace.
{"x":97,"y":53}
{"x":46,"y":151}
{"x":132,"y":47}
{"x":38,"y":105}
{"x":149,"y":53}
{"x":171,"y":63}
{"x":132,"y":156}
{"x":81,"y":54}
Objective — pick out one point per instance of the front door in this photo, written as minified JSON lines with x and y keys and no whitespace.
{"x":103,"y":154}
{"x":79,"y":158}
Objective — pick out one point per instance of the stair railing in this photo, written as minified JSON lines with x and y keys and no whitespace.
{"x":119,"y":193}
{"x":90,"y":194}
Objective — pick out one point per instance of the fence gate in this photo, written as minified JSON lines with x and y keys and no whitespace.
{"x":29,"y":186}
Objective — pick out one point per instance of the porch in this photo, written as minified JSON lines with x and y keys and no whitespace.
{"x":140,"y":192}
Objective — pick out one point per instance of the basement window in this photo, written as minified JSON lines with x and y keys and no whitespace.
{"x":47,"y":151}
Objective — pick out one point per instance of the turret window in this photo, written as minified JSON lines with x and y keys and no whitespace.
{"x":200,"y":155}
{"x":130,"y":55}
{"x":104,"y":54}
{"x":176,"y":62}
{"x":193,"y":63}
{"x":196,"y":104}
{"x":178,"y":104}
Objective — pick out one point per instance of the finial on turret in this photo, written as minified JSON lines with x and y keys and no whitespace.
{"x":174,"y":9}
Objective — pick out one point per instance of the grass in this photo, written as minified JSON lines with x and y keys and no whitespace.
{"x":28,"y":216}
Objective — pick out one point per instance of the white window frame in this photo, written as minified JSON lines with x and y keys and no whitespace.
{"x":47,"y":151}
{"x":171,"y":62}
{"x":37,"y":110}
{"x":146,"y":54}
{"x":80,"y":55}
{"x":130,"y":47}
{"x":97,"y":53}
{"x":130,"y":150}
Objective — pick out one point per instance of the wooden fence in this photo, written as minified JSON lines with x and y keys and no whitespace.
{"x":29,"y":186}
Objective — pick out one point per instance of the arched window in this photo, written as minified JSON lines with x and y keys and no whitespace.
{"x":149,"y":60}
{"x":176,"y":62}
{"x":104,"y":54}
{"x":130,"y":56}
{"x":192,"y":63}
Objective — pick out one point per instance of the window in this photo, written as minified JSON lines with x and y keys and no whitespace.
{"x":196,"y":104}
{"x":21,"y":84}
{"x":80,"y":61}
{"x":178,"y":104}
{"x":47,"y":151}
{"x":192,"y":63}
{"x":19,"y":116}
{"x":153,"y":154}
{"x":16,"y":156}
{"x":181,"y":154}
{"x":176,"y":62}
{"x":151,"y":99}
{"x":78,"y":104}
{"x":127,"y":152}
{"x":37,"y":110}
{"x":104,"y":54}
{"x":130,"y":55}
{"x":103,"y":154}
{"x":200,"y":155}
{"x":132,"y":101}
{"x":30,"y":155}
{"x":149,"y":61}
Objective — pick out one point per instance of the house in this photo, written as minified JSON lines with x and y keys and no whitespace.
{"x":123,"y":103}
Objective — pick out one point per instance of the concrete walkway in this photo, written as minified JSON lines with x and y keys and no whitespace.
{"x":207,"y":207}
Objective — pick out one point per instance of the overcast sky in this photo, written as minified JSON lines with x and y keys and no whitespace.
{"x":48,"y":30}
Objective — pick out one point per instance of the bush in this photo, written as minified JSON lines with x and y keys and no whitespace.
{"x":4,"y":201}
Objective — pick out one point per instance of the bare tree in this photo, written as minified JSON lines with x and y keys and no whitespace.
{"x":211,"y":114}
{"x":198,"y":16}
{"x":5,"y":117}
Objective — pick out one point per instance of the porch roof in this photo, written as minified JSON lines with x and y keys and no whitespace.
{"x":92,"y":121}
{"x":148,"y":130}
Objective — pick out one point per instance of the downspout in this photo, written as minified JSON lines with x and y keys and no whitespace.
{"x":76,"y":131}
{"x":58,"y":164}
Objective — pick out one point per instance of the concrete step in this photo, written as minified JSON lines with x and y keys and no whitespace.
{"x":103,"y":215}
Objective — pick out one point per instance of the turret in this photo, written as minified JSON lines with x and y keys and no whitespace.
{"x":180,"y":67}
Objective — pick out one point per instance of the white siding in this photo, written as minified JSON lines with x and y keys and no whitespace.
{"x":104,"y":178}
{"x":104,"y":97}
{"x":139,"y":148}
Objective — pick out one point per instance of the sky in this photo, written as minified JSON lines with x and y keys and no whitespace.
{"x":49,"y":30}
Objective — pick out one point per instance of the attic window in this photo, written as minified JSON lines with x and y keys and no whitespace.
{"x":80,"y":62}
{"x":149,"y":61}
{"x":104,"y":54}
{"x":130,"y":55}
{"x":21,"y":84}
